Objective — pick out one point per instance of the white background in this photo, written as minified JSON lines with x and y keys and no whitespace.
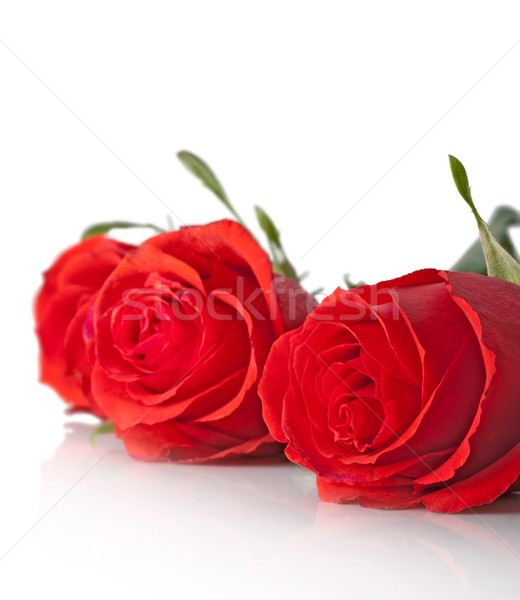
{"x":302,"y":107}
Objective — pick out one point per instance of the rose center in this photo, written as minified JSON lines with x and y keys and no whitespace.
{"x":356,"y":420}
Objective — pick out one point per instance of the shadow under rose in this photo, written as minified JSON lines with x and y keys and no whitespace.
{"x":508,"y":504}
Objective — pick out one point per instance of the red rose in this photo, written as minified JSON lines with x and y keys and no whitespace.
{"x":182,"y":328}
{"x":62,"y":304}
{"x":403,"y":392}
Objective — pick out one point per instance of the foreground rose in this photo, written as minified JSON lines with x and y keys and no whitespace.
{"x":61,"y":308}
{"x":404,"y":392}
{"x":182,"y":328}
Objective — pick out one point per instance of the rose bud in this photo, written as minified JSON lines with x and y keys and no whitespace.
{"x":61,"y":308}
{"x":182,"y":328}
{"x":404,"y":392}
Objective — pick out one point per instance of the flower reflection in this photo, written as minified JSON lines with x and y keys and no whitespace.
{"x":255,"y":529}
{"x":403,"y":554}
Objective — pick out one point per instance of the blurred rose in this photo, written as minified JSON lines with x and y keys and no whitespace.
{"x":62,"y":305}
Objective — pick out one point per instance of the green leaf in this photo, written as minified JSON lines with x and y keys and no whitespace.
{"x":473,"y":260}
{"x":281,"y":263}
{"x":202,"y":171}
{"x":102,"y":228}
{"x":460,"y":177}
{"x":100,"y":429}
{"x":196,"y":166}
{"x":499,"y":263}
{"x":352,"y":284}
{"x":268,"y":227}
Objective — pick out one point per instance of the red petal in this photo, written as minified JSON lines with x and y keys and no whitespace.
{"x":481,"y":488}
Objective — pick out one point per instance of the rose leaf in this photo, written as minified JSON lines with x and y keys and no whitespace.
{"x":473,"y":260}
{"x":100,"y":429}
{"x":102,"y":228}
{"x":281,"y":263}
{"x":499,"y":262}
{"x":202,"y":171}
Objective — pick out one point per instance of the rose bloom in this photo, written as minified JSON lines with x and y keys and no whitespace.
{"x":404,"y":392}
{"x":62,"y":304}
{"x":182,"y":329}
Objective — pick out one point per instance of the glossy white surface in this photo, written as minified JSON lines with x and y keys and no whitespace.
{"x":115,"y":527}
